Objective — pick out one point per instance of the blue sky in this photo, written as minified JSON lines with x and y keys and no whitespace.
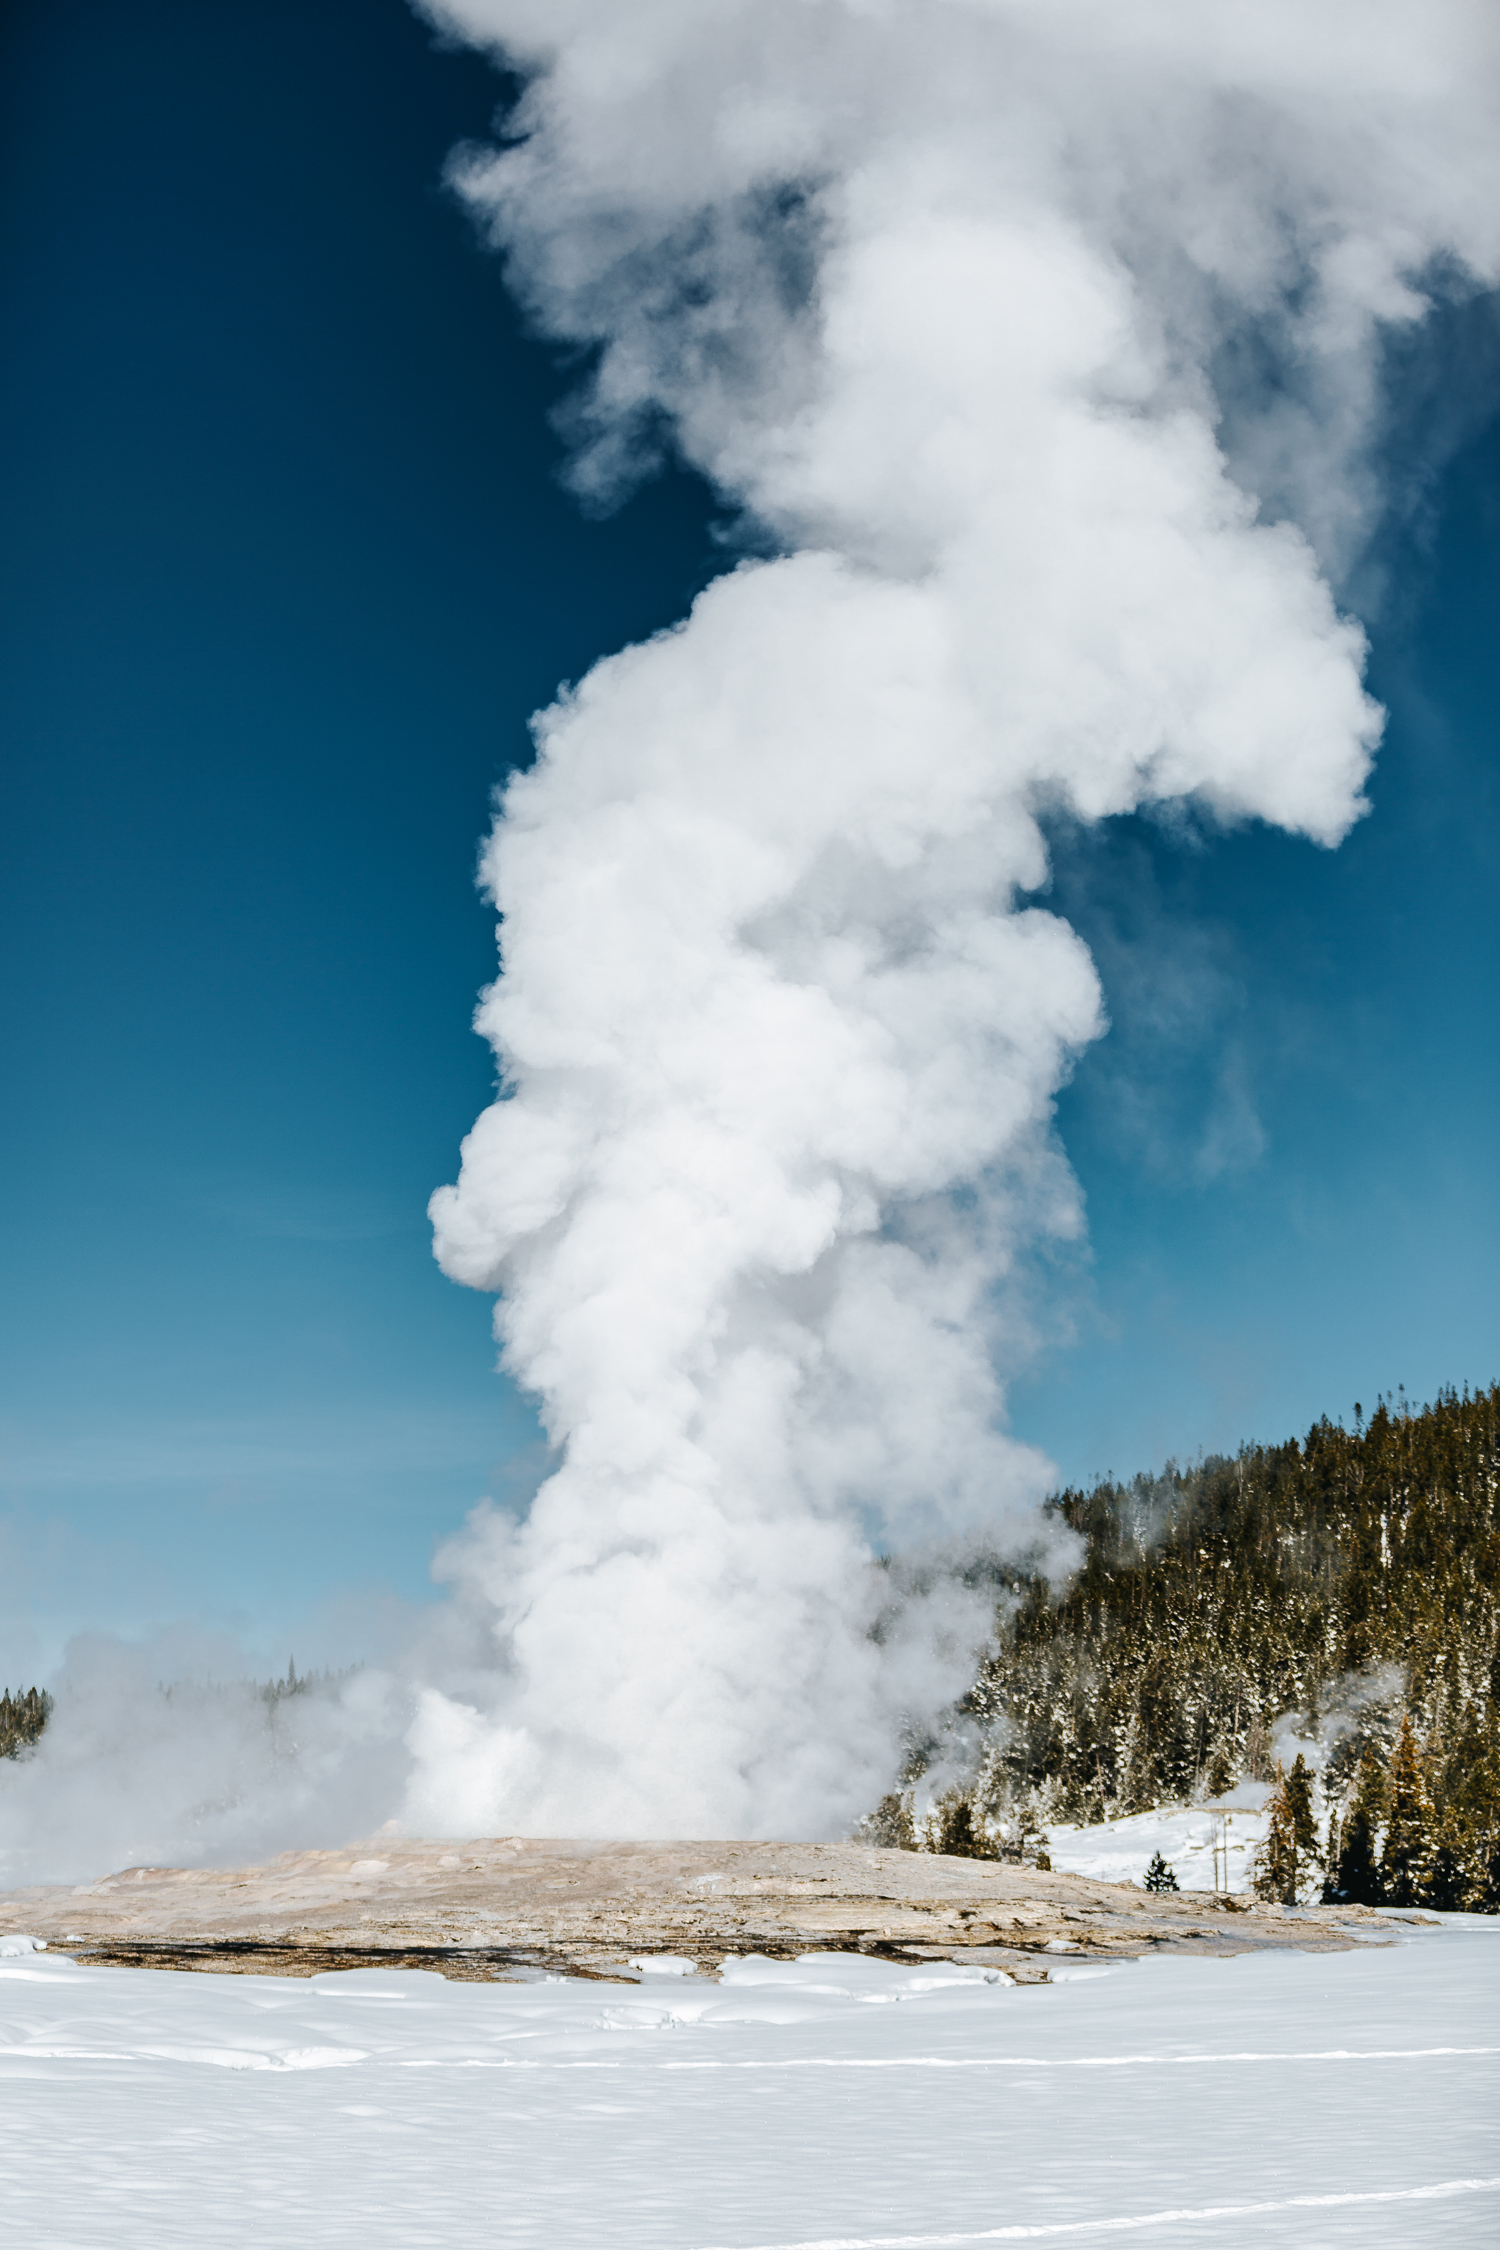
{"x":286,"y":568}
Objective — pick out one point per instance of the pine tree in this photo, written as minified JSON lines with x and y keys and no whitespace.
{"x":22,"y":1719}
{"x":1290,"y":1850}
{"x":1299,"y":1804}
{"x":953,"y":1829}
{"x":890,"y":1826}
{"x":1159,"y":1876}
{"x":1466,"y":1869}
{"x":1275,"y":1876}
{"x":1220,"y":1772}
{"x":1027,"y":1841}
{"x":955,"y":1832}
{"x":1354,"y":1876}
{"x":1407,"y":1864}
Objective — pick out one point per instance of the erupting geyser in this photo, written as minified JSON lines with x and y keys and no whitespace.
{"x":952,"y":299}
{"x":1037,"y":344}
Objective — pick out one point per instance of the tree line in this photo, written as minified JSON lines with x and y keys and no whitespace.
{"x":1392,"y":1840}
{"x":22,"y":1718}
{"x":24,"y":1715}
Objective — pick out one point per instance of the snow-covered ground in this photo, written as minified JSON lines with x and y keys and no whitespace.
{"x":1119,"y":1851}
{"x":1277,"y":2099}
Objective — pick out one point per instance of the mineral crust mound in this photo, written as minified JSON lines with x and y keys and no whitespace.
{"x":502,"y":1906}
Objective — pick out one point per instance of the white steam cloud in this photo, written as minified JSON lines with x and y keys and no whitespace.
{"x":1040,"y":342}
{"x":165,"y":1753}
{"x":1037,"y":344}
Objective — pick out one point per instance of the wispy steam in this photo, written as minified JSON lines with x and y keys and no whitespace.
{"x":1037,"y":345}
{"x":166,"y":1753}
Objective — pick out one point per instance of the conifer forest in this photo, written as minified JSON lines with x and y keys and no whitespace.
{"x":1351,"y":1580}
{"x":22,"y":1718}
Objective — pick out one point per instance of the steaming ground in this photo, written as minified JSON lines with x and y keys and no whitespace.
{"x":827,"y":2104}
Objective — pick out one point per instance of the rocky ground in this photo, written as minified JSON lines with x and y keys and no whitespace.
{"x":507,"y":1905}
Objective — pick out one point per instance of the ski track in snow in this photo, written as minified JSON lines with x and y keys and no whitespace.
{"x":835,"y":2103}
{"x":1147,"y":2219}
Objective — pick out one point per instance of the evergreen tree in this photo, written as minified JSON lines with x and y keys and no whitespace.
{"x":1275,"y":1869}
{"x":1304,"y":1825}
{"x":23,"y":1717}
{"x":1354,"y":1876}
{"x":954,"y":1832}
{"x":1026,"y":1840}
{"x":1466,"y":1868}
{"x":890,"y":1826}
{"x":1408,"y":1861}
{"x":1159,"y":1876}
{"x":1290,"y":1850}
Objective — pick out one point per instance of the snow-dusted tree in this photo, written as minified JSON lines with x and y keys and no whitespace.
{"x":1275,"y":1868}
{"x":1466,"y":1873}
{"x":1299,"y":1805}
{"x":952,"y":1829}
{"x":1407,"y":1863}
{"x":1354,"y":1874}
{"x":22,"y":1719}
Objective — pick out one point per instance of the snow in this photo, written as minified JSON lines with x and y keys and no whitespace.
{"x":1279,"y":2099}
{"x":1119,"y":1851}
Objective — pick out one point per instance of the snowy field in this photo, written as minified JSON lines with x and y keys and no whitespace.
{"x":1293,"y":2099}
{"x":1119,"y":1851}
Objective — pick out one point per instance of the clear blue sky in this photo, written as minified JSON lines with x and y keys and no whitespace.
{"x":286,"y":568}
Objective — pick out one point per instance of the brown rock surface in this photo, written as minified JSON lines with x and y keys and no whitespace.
{"x":493,"y":1906}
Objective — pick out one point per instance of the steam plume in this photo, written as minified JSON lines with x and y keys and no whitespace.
{"x":1040,"y":343}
